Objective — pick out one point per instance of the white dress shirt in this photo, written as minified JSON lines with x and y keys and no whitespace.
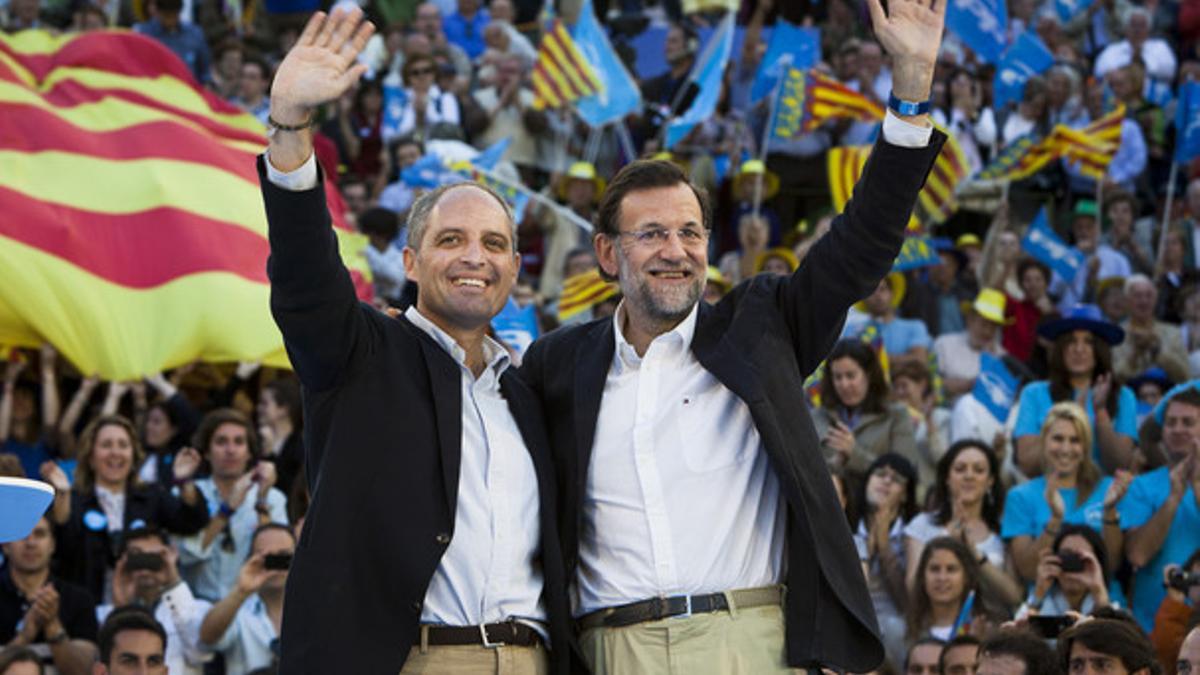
{"x":681,"y":498}
{"x":1155,"y":53}
{"x":249,"y":642}
{"x":180,"y":614}
{"x":488,"y":573}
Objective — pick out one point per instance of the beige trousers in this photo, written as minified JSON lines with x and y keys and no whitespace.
{"x":738,"y":642}
{"x":476,"y":660}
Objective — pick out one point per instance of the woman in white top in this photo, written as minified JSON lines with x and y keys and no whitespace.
{"x":423,"y":103}
{"x":967,"y":501}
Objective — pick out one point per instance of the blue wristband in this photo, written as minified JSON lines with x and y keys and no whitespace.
{"x":907,"y":108}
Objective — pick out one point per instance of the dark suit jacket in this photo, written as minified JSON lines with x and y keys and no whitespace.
{"x":383,"y":439}
{"x":86,"y":550}
{"x":761,"y":341}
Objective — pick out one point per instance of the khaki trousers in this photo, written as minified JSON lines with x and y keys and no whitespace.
{"x":425,"y":659}
{"x":738,"y":642}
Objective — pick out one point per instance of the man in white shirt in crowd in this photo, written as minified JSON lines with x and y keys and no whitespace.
{"x":1155,"y":53}
{"x":244,"y":625}
{"x":958,"y":354}
{"x":147,"y":574}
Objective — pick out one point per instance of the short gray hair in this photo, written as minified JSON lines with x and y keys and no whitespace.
{"x":418,"y":215}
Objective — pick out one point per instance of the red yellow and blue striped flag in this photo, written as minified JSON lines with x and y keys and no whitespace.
{"x":808,"y":98}
{"x":133,"y":236}
{"x":561,"y":75}
{"x":1094,"y":146}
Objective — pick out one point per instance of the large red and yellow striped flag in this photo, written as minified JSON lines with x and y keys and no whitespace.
{"x":561,"y":74}
{"x":1094,"y":146}
{"x":132,"y":229}
{"x":935,"y":201}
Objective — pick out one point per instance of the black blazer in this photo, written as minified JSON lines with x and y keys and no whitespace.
{"x":383,"y":440}
{"x":761,"y":341}
{"x":85,"y":550}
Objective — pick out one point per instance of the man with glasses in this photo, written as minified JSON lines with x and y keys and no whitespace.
{"x":691,"y":483}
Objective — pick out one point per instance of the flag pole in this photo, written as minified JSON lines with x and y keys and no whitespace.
{"x":785,"y":63}
{"x":1166,"y":221}
{"x":536,"y":197}
{"x":626,"y":140}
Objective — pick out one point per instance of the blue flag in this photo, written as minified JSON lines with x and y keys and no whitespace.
{"x":803,"y":45}
{"x":995,"y":388}
{"x":429,"y":172}
{"x":1026,"y":57}
{"x":488,"y":158}
{"x":707,"y":74}
{"x":916,"y":252}
{"x":1187,"y":123}
{"x":620,"y":95}
{"x":1068,"y":9}
{"x":516,"y":326}
{"x":981,"y":24}
{"x":394,"y":100}
{"x":1043,"y":243}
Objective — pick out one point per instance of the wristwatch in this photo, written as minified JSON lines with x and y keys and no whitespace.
{"x":60,"y":636}
{"x":907,"y":108}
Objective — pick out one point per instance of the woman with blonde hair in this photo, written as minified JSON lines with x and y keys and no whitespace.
{"x":107,"y":499}
{"x":1069,"y":491}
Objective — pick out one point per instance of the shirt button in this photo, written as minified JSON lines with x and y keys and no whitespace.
{"x":443,"y":538}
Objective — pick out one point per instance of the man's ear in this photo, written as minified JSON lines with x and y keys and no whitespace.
{"x":606,"y":254}
{"x":410,"y":263}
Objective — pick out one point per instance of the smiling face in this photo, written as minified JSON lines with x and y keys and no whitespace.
{"x":1181,"y":430}
{"x":466,"y":261}
{"x":885,"y":484}
{"x":970,"y":476}
{"x":661,"y":280}
{"x":1064,"y":448}
{"x":945,"y":578}
{"x":112,"y":456}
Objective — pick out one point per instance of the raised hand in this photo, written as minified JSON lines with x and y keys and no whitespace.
{"x":54,"y":475}
{"x":1117,"y":488}
{"x":911,"y":32}
{"x":1054,"y":499}
{"x":321,"y":66}
{"x":254,"y":574}
{"x":1100,"y":390}
{"x":266,"y":477}
{"x":186,"y":462}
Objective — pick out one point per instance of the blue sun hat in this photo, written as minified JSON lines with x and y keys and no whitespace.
{"x":1161,"y":408}
{"x":22,"y":503}
{"x":1083,"y":317}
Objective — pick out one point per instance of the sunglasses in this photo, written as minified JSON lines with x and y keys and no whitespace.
{"x":420,"y":71}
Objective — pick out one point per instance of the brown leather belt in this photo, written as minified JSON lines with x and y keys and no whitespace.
{"x":509,"y":633}
{"x":679,"y":606}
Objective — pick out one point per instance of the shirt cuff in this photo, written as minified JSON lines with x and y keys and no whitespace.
{"x":898,"y":132}
{"x":299,"y":180}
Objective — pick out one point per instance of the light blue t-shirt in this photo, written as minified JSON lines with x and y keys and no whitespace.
{"x":899,"y":335}
{"x":1026,"y":511}
{"x":1035,"y":402}
{"x":1146,"y":496}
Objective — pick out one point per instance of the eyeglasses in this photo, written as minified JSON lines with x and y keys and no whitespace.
{"x":420,"y":71}
{"x":657,"y":237}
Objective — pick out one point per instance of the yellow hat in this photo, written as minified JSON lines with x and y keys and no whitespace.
{"x":714,"y":275}
{"x":757,"y":167}
{"x":989,"y":304}
{"x":778,"y":252}
{"x":899,"y":285}
{"x":966,"y":240}
{"x":581,"y":171}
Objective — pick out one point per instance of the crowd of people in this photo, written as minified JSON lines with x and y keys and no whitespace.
{"x":180,"y":498}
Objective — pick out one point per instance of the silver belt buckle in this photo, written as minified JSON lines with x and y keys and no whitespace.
{"x":486,"y":643}
{"x":687,"y":612}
